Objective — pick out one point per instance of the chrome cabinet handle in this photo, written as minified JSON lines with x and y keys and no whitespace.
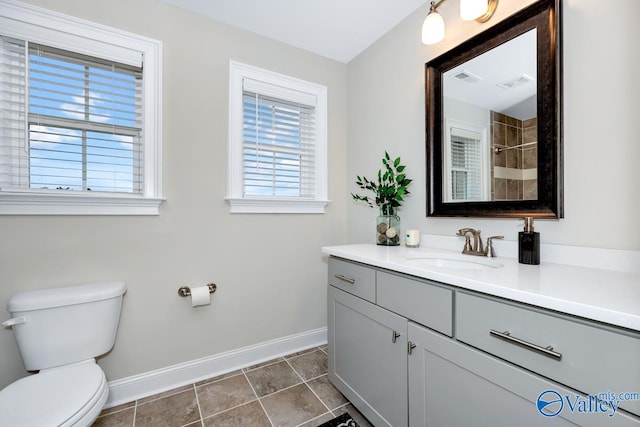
{"x":394,"y":336}
{"x":545,"y":351}
{"x":345,"y":278}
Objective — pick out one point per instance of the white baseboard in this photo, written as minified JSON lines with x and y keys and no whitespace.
{"x":138,"y":386}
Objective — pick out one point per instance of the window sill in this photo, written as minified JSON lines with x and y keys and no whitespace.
{"x":27,"y":203}
{"x":287,"y":206}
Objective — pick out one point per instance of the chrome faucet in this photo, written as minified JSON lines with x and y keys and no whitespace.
{"x":477,"y":249}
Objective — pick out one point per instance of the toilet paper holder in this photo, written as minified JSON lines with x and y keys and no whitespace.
{"x":185,"y":291}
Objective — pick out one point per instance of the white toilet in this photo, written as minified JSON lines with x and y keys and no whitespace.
{"x":60,"y":332}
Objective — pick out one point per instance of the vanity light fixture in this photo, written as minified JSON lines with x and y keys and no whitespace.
{"x":433,"y":25}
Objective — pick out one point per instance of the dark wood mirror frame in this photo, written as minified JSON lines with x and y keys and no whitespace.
{"x":545,"y":16}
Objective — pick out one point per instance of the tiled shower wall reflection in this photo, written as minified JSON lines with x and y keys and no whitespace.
{"x":514,"y":154}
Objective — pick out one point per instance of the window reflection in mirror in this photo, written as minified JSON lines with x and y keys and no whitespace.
{"x":490,"y":125}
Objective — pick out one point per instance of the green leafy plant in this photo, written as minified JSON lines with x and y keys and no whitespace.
{"x":390,"y":188}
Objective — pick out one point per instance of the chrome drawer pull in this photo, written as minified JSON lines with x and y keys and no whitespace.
{"x":345,"y":278}
{"x":545,"y":351}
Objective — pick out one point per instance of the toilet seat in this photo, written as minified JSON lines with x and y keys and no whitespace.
{"x":71,"y":395}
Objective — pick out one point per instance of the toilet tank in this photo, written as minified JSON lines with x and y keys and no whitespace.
{"x":55,"y":327}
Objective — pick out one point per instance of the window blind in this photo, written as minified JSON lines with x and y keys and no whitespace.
{"x":278,"y":147}
{"x":14,"y":161}
{"x":71,"y":122}
{"x":465,"y":167}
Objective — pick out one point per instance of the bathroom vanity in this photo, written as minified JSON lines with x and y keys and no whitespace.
{"x":421,"y":337}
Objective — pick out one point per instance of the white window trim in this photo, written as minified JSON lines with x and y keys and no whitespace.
{"x":485,"y":183}
{"x":24,"y":21}
{"x":240,"y":204}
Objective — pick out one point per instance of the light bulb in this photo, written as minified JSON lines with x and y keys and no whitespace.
{"x":432,"y":28}
{"x":472,"y":9}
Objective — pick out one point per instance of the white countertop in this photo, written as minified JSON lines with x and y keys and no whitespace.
{"x":607,"y":296}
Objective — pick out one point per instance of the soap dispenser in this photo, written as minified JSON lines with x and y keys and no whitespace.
{"x":528,"y":244}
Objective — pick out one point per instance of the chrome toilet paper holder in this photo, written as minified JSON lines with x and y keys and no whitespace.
{"x":185,"y":291}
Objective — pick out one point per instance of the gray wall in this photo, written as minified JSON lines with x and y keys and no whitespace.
{"x":601,"y":126}
{"x":270,"y":273}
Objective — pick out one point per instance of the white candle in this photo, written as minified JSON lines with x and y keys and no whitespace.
{"x":412,"y":238}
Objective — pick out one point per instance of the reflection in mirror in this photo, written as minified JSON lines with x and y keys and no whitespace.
{"x":490,"y":125}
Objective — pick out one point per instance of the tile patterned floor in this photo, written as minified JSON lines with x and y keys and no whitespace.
{"x":291,"y":391}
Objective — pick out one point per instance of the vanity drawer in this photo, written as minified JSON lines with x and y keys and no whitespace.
{"x":588,"y":357}
{"x":422,"y":301}
{"x":353,"y":278}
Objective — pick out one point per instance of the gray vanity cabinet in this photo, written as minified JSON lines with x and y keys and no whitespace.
{"x":368,"y":357}
{"x":396,"y":353}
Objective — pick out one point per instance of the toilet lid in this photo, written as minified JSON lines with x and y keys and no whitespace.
{"x":51,"y":397}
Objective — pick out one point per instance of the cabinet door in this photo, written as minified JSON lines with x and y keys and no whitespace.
{"x":451,"y":384}
{"x":368,"y":357}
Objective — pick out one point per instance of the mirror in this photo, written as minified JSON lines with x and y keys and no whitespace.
{"x":494,"y":140}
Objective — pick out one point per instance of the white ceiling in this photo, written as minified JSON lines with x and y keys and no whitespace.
{"x":336,"y":29}
{"x":505,"y":63}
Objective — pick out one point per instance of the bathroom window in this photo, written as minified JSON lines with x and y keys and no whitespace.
{"x":80,"y":133}
{"x":466,"y":177}
{"x":277,"y":143}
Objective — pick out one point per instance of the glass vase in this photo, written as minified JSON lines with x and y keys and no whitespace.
{"x":388,"y":227}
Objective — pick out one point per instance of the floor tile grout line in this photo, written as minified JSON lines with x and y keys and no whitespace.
{"x":308,"y":387}
{"x":282,"y":389}
{"x":266,"y":413}
{"x":258,"y":397}
{"x":318,"y":397}
{"x":262,"y":365}
{"x":315,"y":349}
{"x":285,"y":389}
{"x":301,"y":353}
{"x":319,"y":376}
{"x":294,"y":370}
{"x":344,"y":405}
{"x":301,"y":381}
{"x":306,"y":381}
{"x":195,"y":391}
{"x":167,"y":393}
{"x":130,"y":407}
{"x":230,"y":409}
{"x":218,"y":378}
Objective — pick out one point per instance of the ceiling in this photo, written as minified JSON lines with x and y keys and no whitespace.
{"x":336,"y":29}
{"x":510,"y":88}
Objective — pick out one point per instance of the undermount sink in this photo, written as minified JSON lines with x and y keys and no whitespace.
{"x":455,"y":261}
